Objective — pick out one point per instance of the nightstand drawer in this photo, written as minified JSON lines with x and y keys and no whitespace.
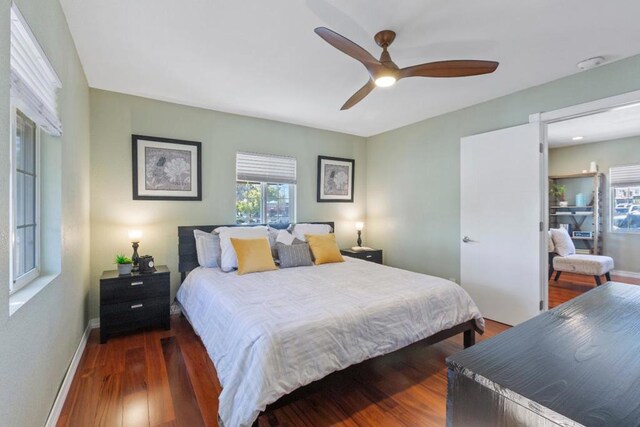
{"x":133,"y":311}
{"x":373,"y":256}
{"x":132,"y":288}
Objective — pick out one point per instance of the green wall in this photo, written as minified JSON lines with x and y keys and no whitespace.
{"x":407,"y":185}
{"x":413,"y":173}
{"x":39,"y":340}
{"x":624,"y":248}
{"x":114,"y":117}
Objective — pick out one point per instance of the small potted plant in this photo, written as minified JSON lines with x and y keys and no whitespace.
{"x":124,"y":264}
{"x":558,"y":191}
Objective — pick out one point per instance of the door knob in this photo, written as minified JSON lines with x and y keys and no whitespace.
{"x":467,"y":239}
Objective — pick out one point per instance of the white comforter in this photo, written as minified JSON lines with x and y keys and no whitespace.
{"x":273,"y":332}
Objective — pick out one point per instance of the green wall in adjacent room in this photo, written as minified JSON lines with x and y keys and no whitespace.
{"x":413,"y":173}
{"x":114,"y":117}
{"x":623,"y":248}
{"x":40,"y":338}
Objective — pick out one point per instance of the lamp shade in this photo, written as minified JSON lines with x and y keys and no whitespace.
{"x":135,"y":235}
{"x":359,"y":226}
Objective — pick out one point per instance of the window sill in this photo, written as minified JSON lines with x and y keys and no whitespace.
{"x":29,"y":291}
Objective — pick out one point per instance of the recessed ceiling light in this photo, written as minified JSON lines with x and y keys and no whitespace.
{"x":578,"y":138}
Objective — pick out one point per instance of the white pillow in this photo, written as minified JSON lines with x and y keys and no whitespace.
{"x":562,"y":241}
{"x":207,"y":248}
{"x":299,"y":230}
{"x":285,"y":238}
{"x":229,"y":259}
{"x":550,"y":245}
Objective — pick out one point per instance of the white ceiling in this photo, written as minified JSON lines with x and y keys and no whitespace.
{"x":262,"y":58}
{"x":616,"y":123}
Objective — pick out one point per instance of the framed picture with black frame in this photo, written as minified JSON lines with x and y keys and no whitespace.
{"x":166,"y":169}
{"x":335,"y":179}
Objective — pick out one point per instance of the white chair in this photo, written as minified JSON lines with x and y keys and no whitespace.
{"x":565,"y":259}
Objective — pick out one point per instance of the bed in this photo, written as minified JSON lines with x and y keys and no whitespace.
{"x":273,"y":332}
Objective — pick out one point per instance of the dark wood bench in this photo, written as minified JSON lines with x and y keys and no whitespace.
{"x":578,"y":364}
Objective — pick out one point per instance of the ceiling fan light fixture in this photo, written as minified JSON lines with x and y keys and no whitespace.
{"x":384,"y":72}
{"x":385,"y":81}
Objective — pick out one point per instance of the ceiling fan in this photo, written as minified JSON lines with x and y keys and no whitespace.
{"x":384,"y":72}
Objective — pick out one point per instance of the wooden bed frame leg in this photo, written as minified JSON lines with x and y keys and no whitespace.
{"x":469,"y":338}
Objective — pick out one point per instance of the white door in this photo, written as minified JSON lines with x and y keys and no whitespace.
{"x":501,"y":210}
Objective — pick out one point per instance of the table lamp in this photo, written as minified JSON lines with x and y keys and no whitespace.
{"x":359,"y":227}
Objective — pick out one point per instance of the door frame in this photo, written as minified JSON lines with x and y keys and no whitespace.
{"x":544,"y":119}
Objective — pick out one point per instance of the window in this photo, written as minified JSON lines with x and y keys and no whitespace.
{"x":265,"y":189}
{"x":625,"y":198}
{"x":34,"y":86}
{"x":25,"y":209}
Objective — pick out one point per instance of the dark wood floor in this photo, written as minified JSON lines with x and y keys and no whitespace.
{"x":571,"y":285}
{"x":165,"y":378}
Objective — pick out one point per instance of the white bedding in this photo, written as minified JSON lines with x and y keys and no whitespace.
{"x":273,"y":332}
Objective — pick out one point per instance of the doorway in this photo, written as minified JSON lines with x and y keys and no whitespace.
{"x":510,"y":235}
{"x":593,"y":188}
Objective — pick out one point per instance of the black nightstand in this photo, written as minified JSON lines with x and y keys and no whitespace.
{"x":133,"y":301}
{"x":374,"y":255}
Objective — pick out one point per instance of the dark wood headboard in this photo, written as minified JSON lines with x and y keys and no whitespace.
{"x":187,"y":256}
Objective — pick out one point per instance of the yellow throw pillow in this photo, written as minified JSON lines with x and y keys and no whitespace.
{"x":324,"y":248}
{"x":253,"y":255}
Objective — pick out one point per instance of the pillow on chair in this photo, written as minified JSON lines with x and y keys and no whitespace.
{"x":562,"y":241}
{"x":550,"y":245}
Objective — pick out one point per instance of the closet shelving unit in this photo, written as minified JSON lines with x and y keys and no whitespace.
{"x":581,"y":218}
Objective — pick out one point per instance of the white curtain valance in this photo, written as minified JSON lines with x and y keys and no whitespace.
{"x":627,"y":174}
{"x":255,"y":167}
{"x":34,"y":82}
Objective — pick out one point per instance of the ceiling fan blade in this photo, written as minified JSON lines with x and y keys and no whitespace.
{"x":359,"y":95}
{"x":345,"y":45}
{"x":462,"y":68}
{"x":334,"y":17}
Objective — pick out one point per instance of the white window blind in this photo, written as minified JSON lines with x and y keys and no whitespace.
{"x":269,"y":168}
{"x":624,"y":175}
{"x":34,"y":83}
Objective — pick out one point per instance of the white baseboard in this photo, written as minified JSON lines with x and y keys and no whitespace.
{"x":623,"y":273}
{"x":56,"y":410}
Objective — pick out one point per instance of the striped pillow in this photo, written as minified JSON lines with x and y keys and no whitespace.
{"x":294,"y":255}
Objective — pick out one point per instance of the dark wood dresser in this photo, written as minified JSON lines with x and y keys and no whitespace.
{"x":578,"y":364}
{"x":133,"y":301}
{"x":374,"y":255}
